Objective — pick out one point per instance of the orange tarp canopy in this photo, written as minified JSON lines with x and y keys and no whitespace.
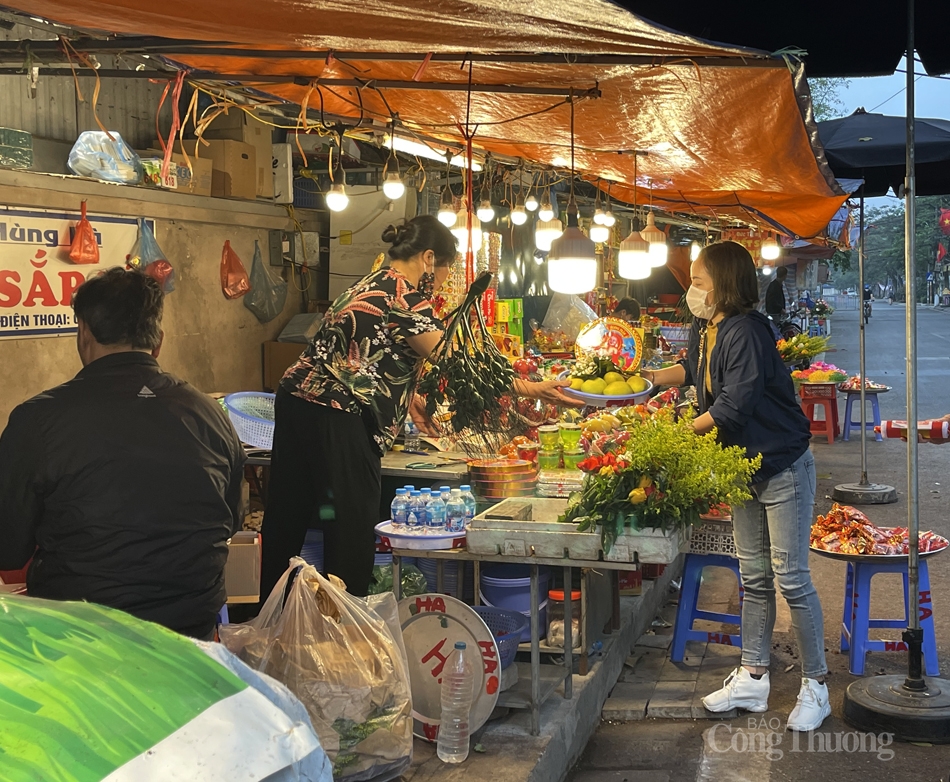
{"x":724,"y":128}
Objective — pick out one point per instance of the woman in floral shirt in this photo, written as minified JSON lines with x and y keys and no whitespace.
{"x":340,"y":407}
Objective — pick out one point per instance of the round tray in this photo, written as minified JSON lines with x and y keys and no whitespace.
{"x":431,"y":625}
{"x":599,"y":400}
{"x":390,"y":539}
{"x":867,"y":391}
{"x":874,"y":557}
{"x":499,"y":467}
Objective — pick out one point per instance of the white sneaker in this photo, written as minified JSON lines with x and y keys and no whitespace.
{"x":812,"y":706}
{"x":740,"y":691}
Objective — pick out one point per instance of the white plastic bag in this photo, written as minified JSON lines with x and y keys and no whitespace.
{"x":342,"y":658}
{"x":97,"y":156}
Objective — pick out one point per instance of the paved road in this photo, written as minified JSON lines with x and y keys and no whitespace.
{"x":674,"y":751}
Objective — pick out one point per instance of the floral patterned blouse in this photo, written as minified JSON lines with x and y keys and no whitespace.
{"x":359,"y":361}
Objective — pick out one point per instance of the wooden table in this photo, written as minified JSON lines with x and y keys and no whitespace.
{"x":544,"y":679}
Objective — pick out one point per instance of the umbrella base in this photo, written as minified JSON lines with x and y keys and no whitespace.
{"x":864,"y":494}
{"x":882,"y":704}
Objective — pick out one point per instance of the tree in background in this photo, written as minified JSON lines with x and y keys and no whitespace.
{"x":826,"y":98}
{"x":884,"y":246}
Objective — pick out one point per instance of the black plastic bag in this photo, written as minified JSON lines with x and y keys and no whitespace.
{"x":268,"y":294}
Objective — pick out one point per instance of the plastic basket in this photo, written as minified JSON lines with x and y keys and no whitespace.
{"x":818,"y":390}
{"x":713,"y":537}
{"x":252,"y":414}
{"x":507,"y":627}
{"x":306,"y":194}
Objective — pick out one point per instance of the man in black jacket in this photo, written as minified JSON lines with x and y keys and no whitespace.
{"x":123,"y":484}
{"x":775,"y":294}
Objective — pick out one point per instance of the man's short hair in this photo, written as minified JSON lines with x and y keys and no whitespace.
{"x":782,"y":272}
{"x":629,"y":306}
{"x":121,"y":308}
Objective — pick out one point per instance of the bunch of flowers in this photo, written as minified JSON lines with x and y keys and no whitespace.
{"x":657,"y":473}
{"x":820,"y":372}
{"x":823,"y":309}
{"x":801,"y":348}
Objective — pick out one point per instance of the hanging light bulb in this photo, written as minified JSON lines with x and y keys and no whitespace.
{"x":336,"y":197}
{"x":572,"y":262}
{"x":460,"y":230}
{"x":610,"y":219}
{"x":771,"y":249}
{"x":767,"y":270}
{"x":694,"y":251}
{"x":531,"y":203}
{"x":446,"y":212}
{"x":633,"y":260}
{"x":518,"y":214}
{"x":546,"y":232}
{"x":486,"y":212}
{"x":599,"y":233}
{"x":657,"y":241}
{"x":393,"y":187}
{"x":546,"y":211}
{"x":598,"y":211}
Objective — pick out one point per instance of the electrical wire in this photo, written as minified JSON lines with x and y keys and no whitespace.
{"x":902,"y":89}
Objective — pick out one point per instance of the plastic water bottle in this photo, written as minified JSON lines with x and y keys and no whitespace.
{"x":412,"y":442}
{"x":435,"y":514}
{"x":426,"y":496}
{"x":458,"y":680}
{"x":446,"y":493}
{"x":409,"y":489}
{"x":455,"y":512}
{"x":416,"y":518}
{"x":399,"y":509}
{"x":470,"y":503}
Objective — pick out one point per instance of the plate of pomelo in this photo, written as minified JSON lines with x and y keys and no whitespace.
{"x":612,"y":389}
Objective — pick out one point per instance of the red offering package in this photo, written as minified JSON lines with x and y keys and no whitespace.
{"x":84,"y":247}
{"x":234,"y":280}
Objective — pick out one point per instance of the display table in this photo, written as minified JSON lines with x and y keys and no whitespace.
{"x":544,"y":678}
{"x":449,"y":468}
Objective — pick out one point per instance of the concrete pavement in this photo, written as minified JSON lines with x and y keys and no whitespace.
{"x":756,"y":747}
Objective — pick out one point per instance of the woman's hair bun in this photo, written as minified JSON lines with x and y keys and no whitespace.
{"x":389,"y":234}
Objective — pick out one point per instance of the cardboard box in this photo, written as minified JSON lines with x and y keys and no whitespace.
{"x":238,"y":125}
{"x":233,"y":166}
{"x":242,"y":573}
{"x":278,"y":356}
{"x":197,"y":180}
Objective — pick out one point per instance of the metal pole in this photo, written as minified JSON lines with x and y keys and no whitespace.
{"x":913,"y":636}
{"x":862,"y":352}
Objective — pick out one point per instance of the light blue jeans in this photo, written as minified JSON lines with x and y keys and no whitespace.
{"x":772,"y":534}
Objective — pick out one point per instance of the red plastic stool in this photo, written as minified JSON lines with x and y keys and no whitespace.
{"x":824,"y":395}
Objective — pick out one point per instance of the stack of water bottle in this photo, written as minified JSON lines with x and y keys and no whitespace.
{"x":432,"y":512}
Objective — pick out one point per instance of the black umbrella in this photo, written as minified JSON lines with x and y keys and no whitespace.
{"x":873,"y":147}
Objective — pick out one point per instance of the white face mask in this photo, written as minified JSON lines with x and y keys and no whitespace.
{"x":696,"y":301}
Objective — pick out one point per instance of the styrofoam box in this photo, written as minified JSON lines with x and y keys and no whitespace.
{"x":545,"y":537}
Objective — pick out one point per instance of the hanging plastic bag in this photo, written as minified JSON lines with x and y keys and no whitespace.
{"x":268,"y":295}
{"x":341,"y":657}
{"x":107,"y":159}
{"x":84,"y":247}
{"x":147,"y":257}
{"x":234,"y":281}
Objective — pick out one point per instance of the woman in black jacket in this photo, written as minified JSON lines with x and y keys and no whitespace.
{"x":746,"y":393}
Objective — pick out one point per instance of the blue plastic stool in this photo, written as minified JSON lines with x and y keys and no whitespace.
{"x":855,"y":396}
{"x":856,"y":621}
{"x":223,"y":615}
{"x":688,"y":612}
